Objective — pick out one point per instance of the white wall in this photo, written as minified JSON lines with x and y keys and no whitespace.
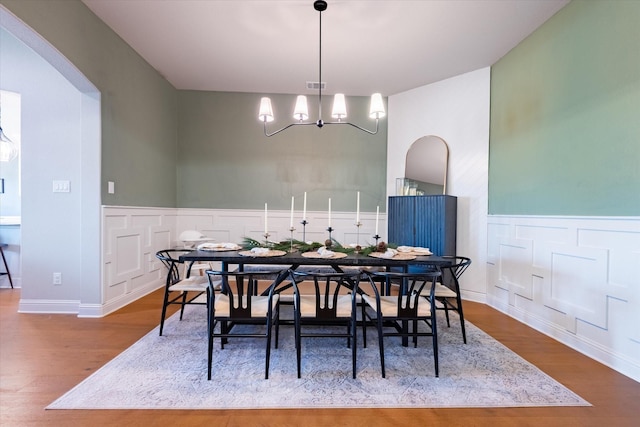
{"x":60,"y":232}
{"x":457,"y":110}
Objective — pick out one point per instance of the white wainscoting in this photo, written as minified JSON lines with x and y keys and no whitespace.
{"x":131,"y":236}
{"x":576,"y":279}
{"x":130,"y":239}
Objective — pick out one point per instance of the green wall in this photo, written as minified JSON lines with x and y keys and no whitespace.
{"x":565,"y":116}
{"x":139,"y":107}
{"x":168,"y":148}
{"x":227,"y":162}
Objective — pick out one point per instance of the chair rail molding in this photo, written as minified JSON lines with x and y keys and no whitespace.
{"x":576,"y":279}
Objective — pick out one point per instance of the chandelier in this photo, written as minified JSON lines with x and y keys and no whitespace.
{"x":301,"y":111}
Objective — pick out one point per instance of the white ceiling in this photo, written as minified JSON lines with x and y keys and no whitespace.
{"x":264,"y":46}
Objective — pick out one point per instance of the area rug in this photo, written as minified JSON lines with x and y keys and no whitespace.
{"x":169,"y":372}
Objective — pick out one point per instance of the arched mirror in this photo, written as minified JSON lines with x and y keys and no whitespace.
{"x":426,"y":167}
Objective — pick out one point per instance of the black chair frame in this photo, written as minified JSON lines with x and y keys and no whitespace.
{"x":451,"y":279}
{"x":241,"y":292}
{"x":328,"y":289}
{"x":410,"y":287}
{"x":170,"y":259}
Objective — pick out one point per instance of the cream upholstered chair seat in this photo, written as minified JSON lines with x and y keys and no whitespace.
{"x":195,"y":283}
{"x":389,"y":305}
{"x":308,"y":306}
{"x":259,"y":305}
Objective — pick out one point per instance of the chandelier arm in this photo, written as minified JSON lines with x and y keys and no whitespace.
{"x":286,"y":127}
{"x":371,"y":132}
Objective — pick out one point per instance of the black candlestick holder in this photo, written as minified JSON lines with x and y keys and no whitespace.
{"x":377,"y":237}
{"x":330,"y":229}
{"x":304,"y":229}
{"x":266,"y":239}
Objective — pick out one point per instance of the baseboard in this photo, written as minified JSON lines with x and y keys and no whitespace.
{"x":589,"y":348}
{"x":48,"y":306}
{"x":99,"y":310}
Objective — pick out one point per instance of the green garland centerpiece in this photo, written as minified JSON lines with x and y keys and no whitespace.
{"x":292,"y":245}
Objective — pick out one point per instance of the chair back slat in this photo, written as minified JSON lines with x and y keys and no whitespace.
{"x":327,"y":288}
{"x":239,"y":287}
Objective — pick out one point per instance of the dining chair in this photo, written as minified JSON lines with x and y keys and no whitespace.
{"x":185,"y":283}
{"x":6,"y":271}
{"x":403,"y":311}
{"x":330,"y":303}
{"x":447,"y":290}
{"x":237,"y":304}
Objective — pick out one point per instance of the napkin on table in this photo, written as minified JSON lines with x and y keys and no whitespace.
{"x":325,"y":253}
{"x":420,"y":250}
{"x":389,"y":253}
{"x":260,"y":251}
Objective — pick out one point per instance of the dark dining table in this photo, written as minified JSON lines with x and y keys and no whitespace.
{"x":294,"y":260}
{"x":299,"y":262}
{"x":279,"y":265}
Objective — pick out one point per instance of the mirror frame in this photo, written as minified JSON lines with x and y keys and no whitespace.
{"x":429,"y":139}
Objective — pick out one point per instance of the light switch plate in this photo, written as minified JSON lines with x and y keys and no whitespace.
{"x":61,"y":186}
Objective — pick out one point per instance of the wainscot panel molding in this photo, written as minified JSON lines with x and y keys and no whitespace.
{"x":131,"y":237}
{"x":233,"y":225}
{"x":576,"y":279}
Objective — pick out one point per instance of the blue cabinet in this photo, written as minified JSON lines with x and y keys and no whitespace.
{"x":425,"y":221}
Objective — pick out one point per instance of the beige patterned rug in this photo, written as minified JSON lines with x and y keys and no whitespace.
{"x":169,"y":372}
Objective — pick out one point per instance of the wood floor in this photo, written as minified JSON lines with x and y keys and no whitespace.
{"x":43,"y":356}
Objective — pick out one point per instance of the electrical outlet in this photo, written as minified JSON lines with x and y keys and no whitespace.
{"x":57,"y":278}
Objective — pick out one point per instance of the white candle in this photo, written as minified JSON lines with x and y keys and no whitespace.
{"x":304,"y":207}
{"x":358,"y":208}
{"x":329,"y":212}
{"x":291,"y":221}
{"x":266,"y":228}
{"x":377,"y":217}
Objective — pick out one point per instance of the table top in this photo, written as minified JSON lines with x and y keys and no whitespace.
{"x":296,"y":258}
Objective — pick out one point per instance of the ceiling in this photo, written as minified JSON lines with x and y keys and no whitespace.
{"x":264,"y":46}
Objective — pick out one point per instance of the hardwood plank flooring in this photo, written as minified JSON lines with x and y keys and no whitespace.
{"x":43,"y":356}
